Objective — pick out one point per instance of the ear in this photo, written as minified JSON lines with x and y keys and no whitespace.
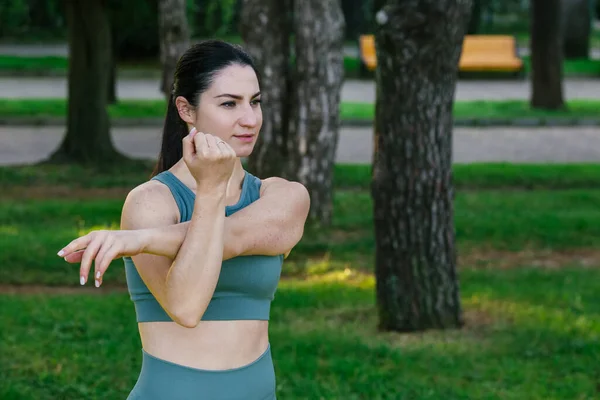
{"x":185,"y":109}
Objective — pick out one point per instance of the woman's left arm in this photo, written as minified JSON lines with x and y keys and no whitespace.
{"x":272,"y":225}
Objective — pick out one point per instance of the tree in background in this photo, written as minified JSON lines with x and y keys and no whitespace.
{"x":474,"y":23}
{"x":88,"y":138}
{"x":301,"y":91}
{"x":546,"y":54}
{"x":418,"y":46}
{"x":577,"y":23}
{"x":174,"y":36}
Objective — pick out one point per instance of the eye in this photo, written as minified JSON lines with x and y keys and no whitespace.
{"x":255,"y":102}
{"x":229,"y":104}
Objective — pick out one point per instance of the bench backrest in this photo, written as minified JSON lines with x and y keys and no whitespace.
{"x":367,"y":45}
{"x":489,"y":44}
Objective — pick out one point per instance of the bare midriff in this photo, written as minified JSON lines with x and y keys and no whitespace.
{"x":211,"y":345}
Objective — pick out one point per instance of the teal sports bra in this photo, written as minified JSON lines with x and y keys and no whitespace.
{"x":246,"y":284}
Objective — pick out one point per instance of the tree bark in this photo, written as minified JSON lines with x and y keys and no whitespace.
{"x":112,"y":77}
{"x":265,"y":28}
{"x":88,"y":138}
{"x":418,"y":46}
{"x":300,"y":101}
{"x":174,"y":35}
{"x":319,"y":43}
{"x":546,"y":54}
{"x":577,"y":22}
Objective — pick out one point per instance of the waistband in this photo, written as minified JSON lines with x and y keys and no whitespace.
{"x":160,"y":379}
{"x":169,"y":364}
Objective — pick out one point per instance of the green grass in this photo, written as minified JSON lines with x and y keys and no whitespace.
{"x":346,"y":176}
{"x":59,"y":65}
{"x":16,"y":63}
{"x":32,"y":231}
{"x":495,"y":110}
{"x":504,"y":206}
{"x":532,"y":334}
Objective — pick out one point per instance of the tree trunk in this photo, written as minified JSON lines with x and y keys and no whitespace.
{"x":174,"y":35}
{"x":577,"y":22}
{"x":475,"y":19}
{"x":265,"y":29}
{"x":300,"y":105}
{"x":319,"y":43}
{"x":112,"y":77}
{"x":418,"y":47}
{"x":546,"y":54}
{"x":88,"y":137}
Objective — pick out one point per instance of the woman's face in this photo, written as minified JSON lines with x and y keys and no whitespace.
{"x":230,"y":109}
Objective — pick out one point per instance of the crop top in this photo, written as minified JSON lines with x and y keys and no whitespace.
{"x":246,"y":284}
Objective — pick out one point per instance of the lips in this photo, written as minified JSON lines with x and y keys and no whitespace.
{"x":248,"y":137}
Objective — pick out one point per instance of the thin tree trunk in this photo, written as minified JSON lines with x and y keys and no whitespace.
{"x":546,"y":54}
{"x":319,"y":43}
{"x":474,"y":23}
{"x":112,"y":78}
{"x":265,"y":29}
{"x":418,"y":47}
{"x":88,"y":137}
{"x":577,"y":22}
{"x":174,"y":36}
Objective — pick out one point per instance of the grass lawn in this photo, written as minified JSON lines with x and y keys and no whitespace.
{"x":493,"y":110}
{"x":59,"y":65}
{"x":532,"y":318}
{"x":530,"y":334}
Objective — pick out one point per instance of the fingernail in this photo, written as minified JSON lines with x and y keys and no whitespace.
{"x":61,"y":253}
{"x":192,"y":131}
{"x":82,"y":280}
{"x":98,"y":275}
{"x":97,"y":283}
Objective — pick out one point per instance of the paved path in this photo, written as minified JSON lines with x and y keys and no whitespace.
{"x":19,"y":145}
{"x":352,"y":91}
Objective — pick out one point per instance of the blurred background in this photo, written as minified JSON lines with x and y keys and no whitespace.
{"x":452,"y":250}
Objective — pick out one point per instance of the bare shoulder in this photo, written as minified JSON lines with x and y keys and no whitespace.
{"x":149,"y":205}
{"x":293,"y":192}
{"x":276,"y":183}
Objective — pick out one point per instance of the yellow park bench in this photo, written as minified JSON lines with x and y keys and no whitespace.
{"x":367,"y":51}
{"x":480,"y":53}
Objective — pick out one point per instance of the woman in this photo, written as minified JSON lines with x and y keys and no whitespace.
{"x":203,"y":240}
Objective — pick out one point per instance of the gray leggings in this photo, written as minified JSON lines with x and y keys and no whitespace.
{"x":163,"y":380}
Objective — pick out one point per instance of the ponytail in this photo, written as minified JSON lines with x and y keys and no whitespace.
{"x":174,"y":131}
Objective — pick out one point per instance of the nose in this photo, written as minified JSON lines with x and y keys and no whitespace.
{"x":249,"y":118}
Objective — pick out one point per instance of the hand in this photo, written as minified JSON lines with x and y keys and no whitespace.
{"x":103,"y":246}
{"x":209,"y":159}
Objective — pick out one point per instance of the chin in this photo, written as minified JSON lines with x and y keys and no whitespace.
{"x":244,"y":151}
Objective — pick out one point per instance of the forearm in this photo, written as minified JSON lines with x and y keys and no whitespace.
{"x":245,"y":233}
{"x":166,"y":241}
{"x":193,"y":276}
{"x":268,"y":226}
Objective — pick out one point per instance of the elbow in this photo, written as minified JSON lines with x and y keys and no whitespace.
{"x":186,"y":320}
{"x":186,"y":316}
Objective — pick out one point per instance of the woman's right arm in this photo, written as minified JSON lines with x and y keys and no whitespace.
{"x":183,"y":286}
